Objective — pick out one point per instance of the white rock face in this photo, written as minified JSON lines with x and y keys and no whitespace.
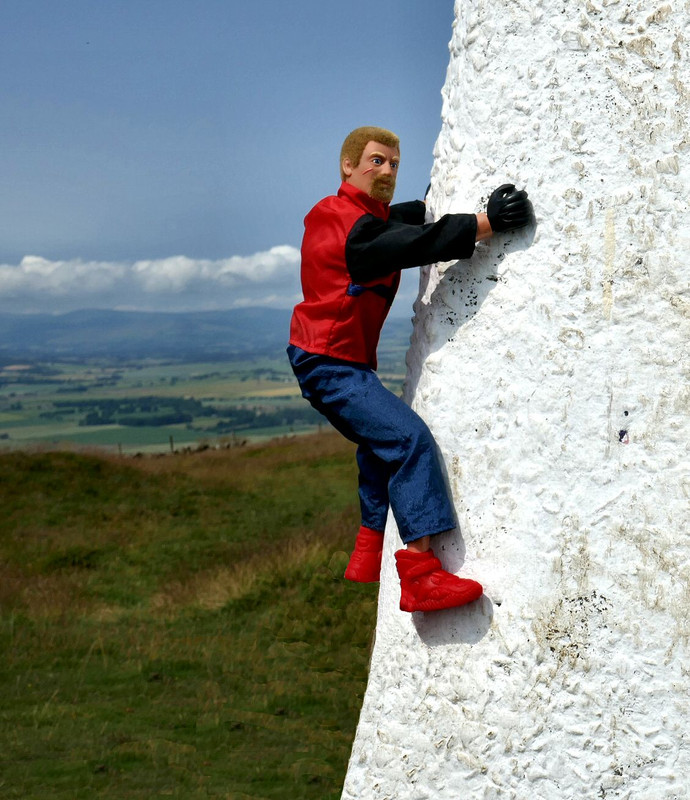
{"x":553,"y":370}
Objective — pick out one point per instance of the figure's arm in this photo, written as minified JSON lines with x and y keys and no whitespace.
{"x":484,"y":229}
{"x":376,"y":248}
{"x":412,"y":213}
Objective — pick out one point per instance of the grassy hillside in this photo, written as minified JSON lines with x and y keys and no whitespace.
{"x":178,"y":626}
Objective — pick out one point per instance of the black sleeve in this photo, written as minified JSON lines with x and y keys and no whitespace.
{"x":412,"y":213}
{"x":376,"y":248}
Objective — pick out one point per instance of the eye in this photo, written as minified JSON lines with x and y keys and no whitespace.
{"x":377,"y":161}
{"x":395,"y":164}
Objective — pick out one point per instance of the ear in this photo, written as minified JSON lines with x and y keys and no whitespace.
{"x":348,"y":169}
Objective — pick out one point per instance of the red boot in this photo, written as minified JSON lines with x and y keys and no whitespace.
{"x":426,"y":587}
{"x":365,"y":561}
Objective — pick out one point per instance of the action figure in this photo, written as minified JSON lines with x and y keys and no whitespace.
{"x":355,"y":245}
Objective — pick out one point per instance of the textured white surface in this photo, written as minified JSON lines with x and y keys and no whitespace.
{"x":553,"y":370}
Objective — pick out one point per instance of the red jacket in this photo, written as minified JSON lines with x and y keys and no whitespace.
{"x":352,"y":252}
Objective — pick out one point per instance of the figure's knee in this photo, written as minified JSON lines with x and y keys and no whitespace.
{"x":421,"y":436}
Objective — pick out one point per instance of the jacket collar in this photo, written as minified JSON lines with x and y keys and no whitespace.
{"x":362,"y":199}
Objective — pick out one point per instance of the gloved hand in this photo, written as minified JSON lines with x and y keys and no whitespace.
{"x":508,"y":209}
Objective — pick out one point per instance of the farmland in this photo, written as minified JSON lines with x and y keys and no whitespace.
{"x":152,"y":405}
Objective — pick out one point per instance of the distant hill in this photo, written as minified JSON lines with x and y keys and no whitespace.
{"x":190,"y":336}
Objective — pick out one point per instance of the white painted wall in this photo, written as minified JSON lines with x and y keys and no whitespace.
{"x":553,"y":370}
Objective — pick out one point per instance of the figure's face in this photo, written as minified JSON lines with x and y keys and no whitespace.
{"x":376,"y":172}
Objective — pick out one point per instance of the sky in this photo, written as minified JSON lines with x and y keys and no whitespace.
{"x":162,"y":154}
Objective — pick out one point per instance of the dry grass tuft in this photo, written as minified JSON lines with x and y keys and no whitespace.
{"x":214,"y":588}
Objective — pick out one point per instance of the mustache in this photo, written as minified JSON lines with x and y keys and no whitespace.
{"x":383,"y":184}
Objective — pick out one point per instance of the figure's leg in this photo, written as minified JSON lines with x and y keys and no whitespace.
{"x":363,"y":410}
{"x":374,"y":476}
{"x":357,"y":404}
{"x":365,"y":561}
{"x":424,"y":585}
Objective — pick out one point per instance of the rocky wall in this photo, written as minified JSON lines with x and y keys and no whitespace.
{"x":553,"y":370}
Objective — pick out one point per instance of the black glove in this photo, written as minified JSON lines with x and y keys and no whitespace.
{"x":508,"y":209}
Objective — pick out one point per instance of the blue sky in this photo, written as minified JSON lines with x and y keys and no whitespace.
{"x":162,"y":154}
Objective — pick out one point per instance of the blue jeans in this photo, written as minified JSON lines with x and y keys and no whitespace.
{"x":399,"y":463}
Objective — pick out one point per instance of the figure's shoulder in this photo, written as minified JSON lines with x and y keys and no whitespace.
{"x":334,"y":207}
{"x":328,"y":204}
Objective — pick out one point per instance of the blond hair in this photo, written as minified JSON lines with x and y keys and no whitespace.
{"x":359,"y":138}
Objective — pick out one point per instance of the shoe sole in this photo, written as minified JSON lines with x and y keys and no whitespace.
{"x":452,"y":601}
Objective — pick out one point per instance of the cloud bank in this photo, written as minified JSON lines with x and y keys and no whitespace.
{"x":178,"y":283}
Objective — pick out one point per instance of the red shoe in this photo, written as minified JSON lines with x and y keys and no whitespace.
{"x":425,"y":586}
{"x":365,"y":561}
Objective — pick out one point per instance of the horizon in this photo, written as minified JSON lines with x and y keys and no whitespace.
{"x":237,"y":309}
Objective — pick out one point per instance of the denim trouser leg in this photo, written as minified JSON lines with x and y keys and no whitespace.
{"x":395,"y":445}
{"x":374,"y":475}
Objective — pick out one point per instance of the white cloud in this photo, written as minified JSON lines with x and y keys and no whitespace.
{"x":177,"y":283}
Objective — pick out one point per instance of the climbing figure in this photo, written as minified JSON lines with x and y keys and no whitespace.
{"x":355,"y":245}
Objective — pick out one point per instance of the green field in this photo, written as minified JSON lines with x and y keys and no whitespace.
{"x":150,"y":406}
{"x":179,"y":626}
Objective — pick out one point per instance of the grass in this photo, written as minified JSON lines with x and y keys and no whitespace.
{"x":179,"y":626}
